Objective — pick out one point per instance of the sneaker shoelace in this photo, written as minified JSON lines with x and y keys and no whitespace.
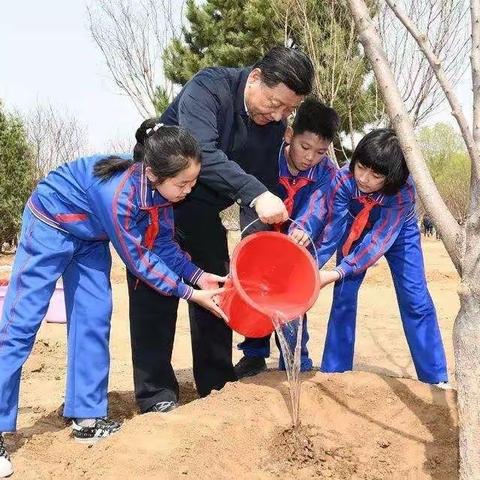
{"x":101,"y":428}
{"x":106,"y":426}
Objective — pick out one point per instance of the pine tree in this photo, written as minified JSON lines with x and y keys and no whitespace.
{"x":230,"y":33}
{"x":238,"y":33}
{"x":16,"y":175}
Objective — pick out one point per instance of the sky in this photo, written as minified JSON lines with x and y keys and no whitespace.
{"x":48,"y":55}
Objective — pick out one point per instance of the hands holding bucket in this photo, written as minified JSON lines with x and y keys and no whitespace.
{"x":270,"y":275}
{"x":270,"y":208}
{"x":208,"y":296}
{"x":210,"y":281}
{"x":300,"y":237}
{"x":328,"y":276}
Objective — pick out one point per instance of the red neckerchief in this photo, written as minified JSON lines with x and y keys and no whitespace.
{"x":359,"y":223}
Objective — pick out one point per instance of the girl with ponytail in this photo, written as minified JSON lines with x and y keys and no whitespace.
{"x":68,"y":224}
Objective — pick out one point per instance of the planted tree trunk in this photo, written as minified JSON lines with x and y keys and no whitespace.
{"x":466,"y":343}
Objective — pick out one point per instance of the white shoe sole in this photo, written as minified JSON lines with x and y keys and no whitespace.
{"x":443,"y":386}
{"x":6,"y":468}
{"x":92,"y":441}
{"x":88,"y":441}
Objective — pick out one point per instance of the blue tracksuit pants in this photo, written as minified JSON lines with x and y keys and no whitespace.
{"x":43,"y":255}
{"x":417,"y":312}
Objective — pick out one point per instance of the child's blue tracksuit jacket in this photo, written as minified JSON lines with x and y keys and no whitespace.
{"x":68,"y":223}
{"x":392,"y":231}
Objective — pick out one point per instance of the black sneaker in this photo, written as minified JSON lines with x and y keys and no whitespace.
{"x":162,"y":407}
{"x":6,"y":468}
{"x":103,"y":427}
{"x":250,"y":366}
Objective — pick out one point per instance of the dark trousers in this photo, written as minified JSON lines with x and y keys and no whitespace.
{"x":153,"y":317}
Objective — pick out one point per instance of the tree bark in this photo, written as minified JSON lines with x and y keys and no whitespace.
{"x":475,"y":62}
{"x":462,"y":244}
{"x":466,"y":343}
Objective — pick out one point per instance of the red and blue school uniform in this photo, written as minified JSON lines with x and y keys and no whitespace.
{"x":305,"y":197}
{"x":370,"y":226}
{"x":67,"y":225}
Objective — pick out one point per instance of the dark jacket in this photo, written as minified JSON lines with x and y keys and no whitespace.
{"x":239,"y":158}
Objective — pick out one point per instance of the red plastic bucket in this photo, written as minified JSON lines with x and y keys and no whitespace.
{"x":269,"y":274}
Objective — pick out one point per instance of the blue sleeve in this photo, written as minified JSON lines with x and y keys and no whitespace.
{"x":198,"y":111}
{"x":382,"y":235}
{"x":337,"y":215}
{"x":313,"y":216}
{"x":178,"y":261}
{"x":117,"y":213}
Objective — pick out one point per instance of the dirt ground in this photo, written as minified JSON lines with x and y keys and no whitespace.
{"x":377,"y":422}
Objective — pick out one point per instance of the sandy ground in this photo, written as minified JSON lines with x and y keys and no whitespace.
{"x":375,"y":423}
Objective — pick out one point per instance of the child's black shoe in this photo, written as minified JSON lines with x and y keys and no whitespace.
{"x":99,"y":428}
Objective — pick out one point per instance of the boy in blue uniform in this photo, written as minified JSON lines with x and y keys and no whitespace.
{"x":304,"y":171}
{"x":372,"y":213}
{"x":68,"y":223}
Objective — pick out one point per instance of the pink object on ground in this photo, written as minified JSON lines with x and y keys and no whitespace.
{"x":56,"y":310}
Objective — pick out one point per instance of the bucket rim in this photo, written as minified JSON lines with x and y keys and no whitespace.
{"x":243,"y":294}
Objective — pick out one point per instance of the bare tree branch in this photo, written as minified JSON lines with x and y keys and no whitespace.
{"x":132,"y":37}
{"x":120,"y":145}
{"x":462,"y":243}
{"x":475,"y":62}
{"x":433,"y":202}
{"x":57,"y":137}
{"x":443,"y":23}
{"x":457,"y":111}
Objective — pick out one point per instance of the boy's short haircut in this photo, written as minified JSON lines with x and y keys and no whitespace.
{"x":316,"y":117}
{"x":380,"y":151}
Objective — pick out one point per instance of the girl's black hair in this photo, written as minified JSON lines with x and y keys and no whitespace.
{"x":167,"y":150}
{"x":316,"y":117}
{"x":380,"y":151}
{"x":109,"y":166}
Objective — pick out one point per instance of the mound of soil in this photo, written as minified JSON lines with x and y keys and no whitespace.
{"x":353,"y":426}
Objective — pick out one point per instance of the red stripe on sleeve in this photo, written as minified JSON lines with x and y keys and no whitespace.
{"x":121,"y":238}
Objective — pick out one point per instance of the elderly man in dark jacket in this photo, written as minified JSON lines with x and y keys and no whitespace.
{"x":238,"y":115}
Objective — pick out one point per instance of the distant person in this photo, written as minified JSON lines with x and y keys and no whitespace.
{"x":68,"y":224}
{"x":305,"y":175}
{"x":372,"y":210}
{"x":427,"y":226}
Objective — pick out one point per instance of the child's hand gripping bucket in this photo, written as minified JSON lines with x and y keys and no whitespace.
{"x":270,"y":274}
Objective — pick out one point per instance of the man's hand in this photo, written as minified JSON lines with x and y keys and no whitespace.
{"x":300,"y":237}
{"x":270,"y":209}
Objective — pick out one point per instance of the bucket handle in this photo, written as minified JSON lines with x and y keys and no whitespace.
{"x":295,"y":223}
